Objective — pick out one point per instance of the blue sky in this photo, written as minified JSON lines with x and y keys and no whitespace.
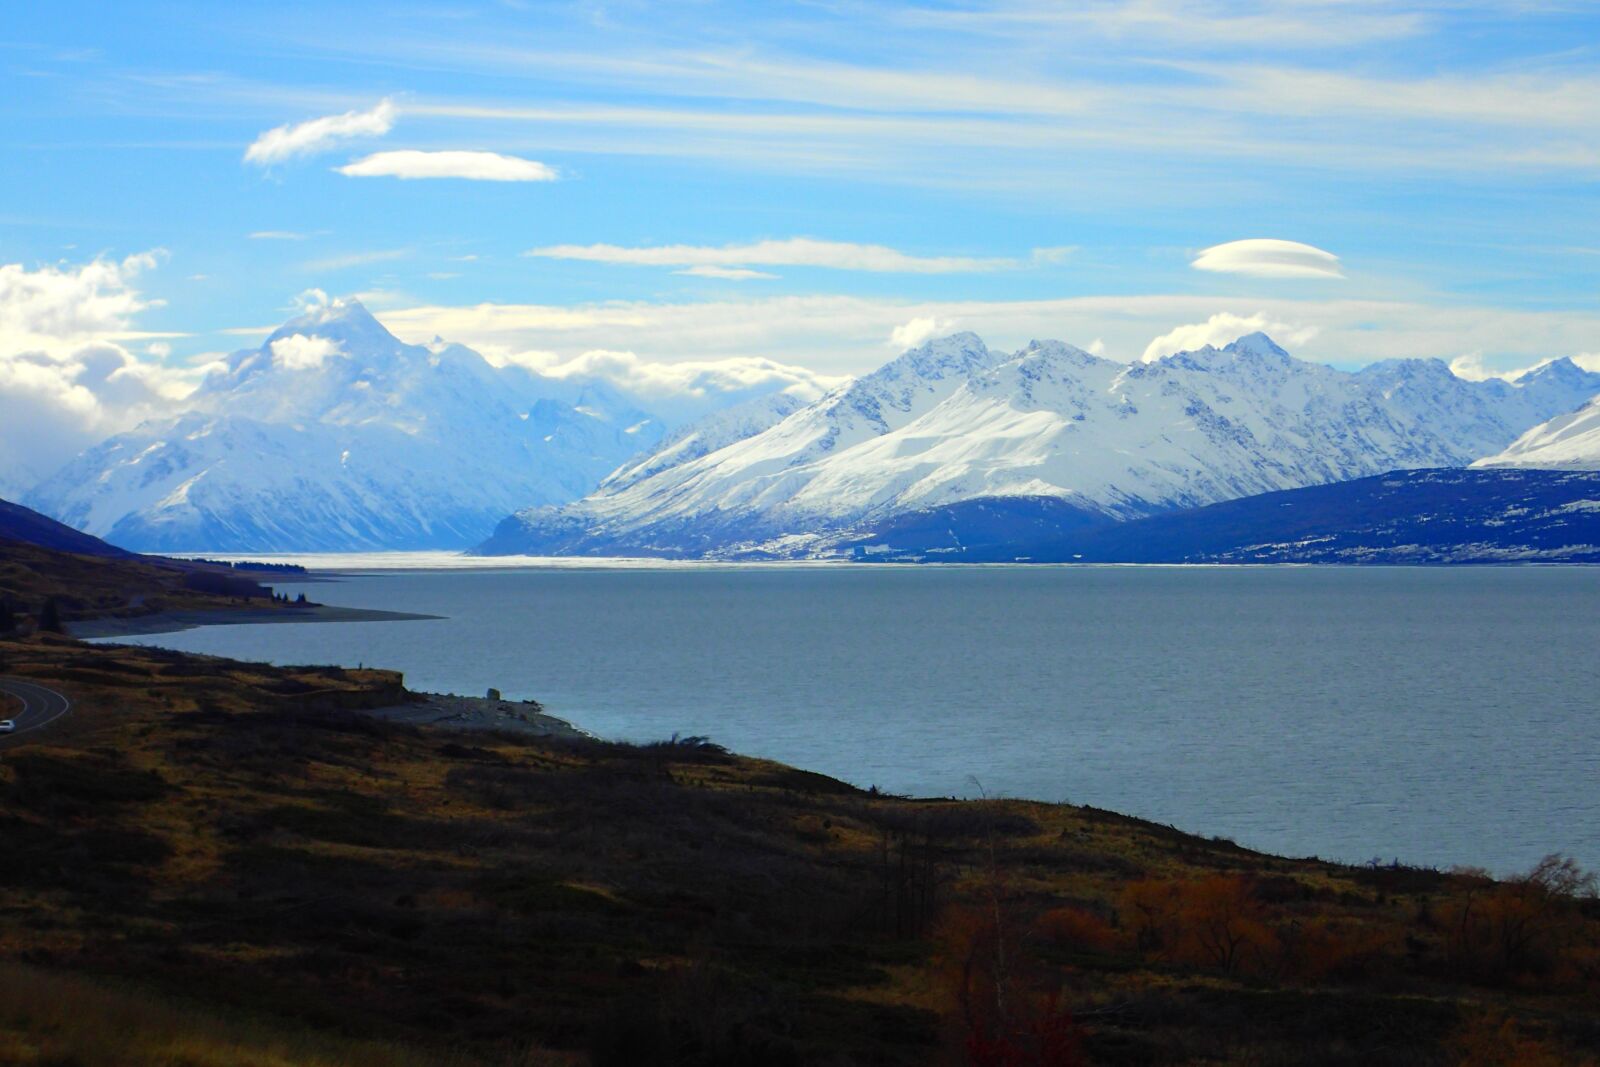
{"x":1021,"y":169}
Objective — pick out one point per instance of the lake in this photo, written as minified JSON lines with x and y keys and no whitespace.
{"x":1438,"y":716}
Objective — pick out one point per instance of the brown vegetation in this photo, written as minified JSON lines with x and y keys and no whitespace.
{"x":84,"y":587}
{"x":229,"y":835}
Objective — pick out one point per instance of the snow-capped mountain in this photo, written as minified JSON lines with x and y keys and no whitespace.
{"x":707,"y":497}
{"x":1482,"y":412}
{"x":704,"y":436}
{"x":336,"y":435}
{"x":1567,"y":442}
{"x":950,"y":422}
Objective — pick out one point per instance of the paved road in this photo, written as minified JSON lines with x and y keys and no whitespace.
{"x":40,"y":706}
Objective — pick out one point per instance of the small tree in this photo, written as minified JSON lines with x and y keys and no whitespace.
{"x":50,"y":617}
{"x":8,"y":616}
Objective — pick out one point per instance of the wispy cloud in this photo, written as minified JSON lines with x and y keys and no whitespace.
{"x":1266,"y":257}
{"x":731,"y":274}
{"x":1300,"y":26}
{"x":790,"y":252}
{"x":318,"y":135}
{"x":845,"y":334}
{"x":685,"y":388}
{"x":410,"y":163}
{"x":1562,"y":100}
{"x":353,"y":259}
{"x":277,"y":235}
{"x":1161,"y":99}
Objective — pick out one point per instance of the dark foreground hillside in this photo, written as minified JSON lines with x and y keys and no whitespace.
{"x":83,"y":577}
{"x":1421,"y":516}
{"x":18,"y":523}
{"x":218,"y":863}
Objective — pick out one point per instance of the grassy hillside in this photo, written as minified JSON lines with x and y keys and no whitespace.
{"x":202,"y":836}
{"x":93,"y":586}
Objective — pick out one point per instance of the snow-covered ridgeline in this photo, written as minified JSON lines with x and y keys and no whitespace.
{"x":1570,"y":441}
{"x":952,"y":421}
{"x":334,"y":434}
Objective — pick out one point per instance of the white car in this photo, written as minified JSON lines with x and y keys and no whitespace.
{"x":7,"y":726}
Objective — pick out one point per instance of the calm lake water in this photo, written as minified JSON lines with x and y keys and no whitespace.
{"x":1438,"y":716}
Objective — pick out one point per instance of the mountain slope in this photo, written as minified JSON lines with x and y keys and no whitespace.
{"x":742,"y":488}
{"x":1419,"y":516}
{"x":707,"y":435}
{"x":1103,"y":437}
{"x":1567,"y":442}
{"x":336,"y":435}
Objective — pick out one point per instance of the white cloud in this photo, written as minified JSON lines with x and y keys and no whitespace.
{"x":55,"y":307}
{"x":1222,"y":329}
{"x":300,"y":351}
{"x":696,"y":377}
{"x":847,"y":334}
{"x":65,"y":381}
{"x":277,"y":235}
{"x":1266,"y":257}
{"x":306,"y":300}
{"x":679,"y":392}
{"x":913,"y":333}
{"x":790,"y":252}
{"x":317,"y":135}
{"x":411,"y":163}
{"x":732,"y":274}
{"x":1470,"y":366}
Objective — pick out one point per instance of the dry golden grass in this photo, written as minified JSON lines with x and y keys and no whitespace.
{"x":87,"y":587}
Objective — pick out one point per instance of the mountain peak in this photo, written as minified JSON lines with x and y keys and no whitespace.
{"x":1407,"y":369}
{"x":1056,"y":352}
{"x":1562,"y":369}
{"x":959,"y":354}
{"x":956,"y":344}
{"x":1256,"y":347}
{"x":341,"y":319}
{"x":1257,"y":344}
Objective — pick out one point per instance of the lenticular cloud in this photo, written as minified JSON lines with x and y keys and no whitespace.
{"x":1266,"y":257}
{"x":412,"y":163}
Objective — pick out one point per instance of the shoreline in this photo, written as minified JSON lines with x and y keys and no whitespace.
{"x":451,"y":711}
{"x":339,"y":566}
{"x":162,"y":622}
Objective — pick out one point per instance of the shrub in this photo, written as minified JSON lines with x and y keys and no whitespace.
{"x":1072,"y":929}
{"x":1523,"y":927}
{"x":1211,"y":922}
